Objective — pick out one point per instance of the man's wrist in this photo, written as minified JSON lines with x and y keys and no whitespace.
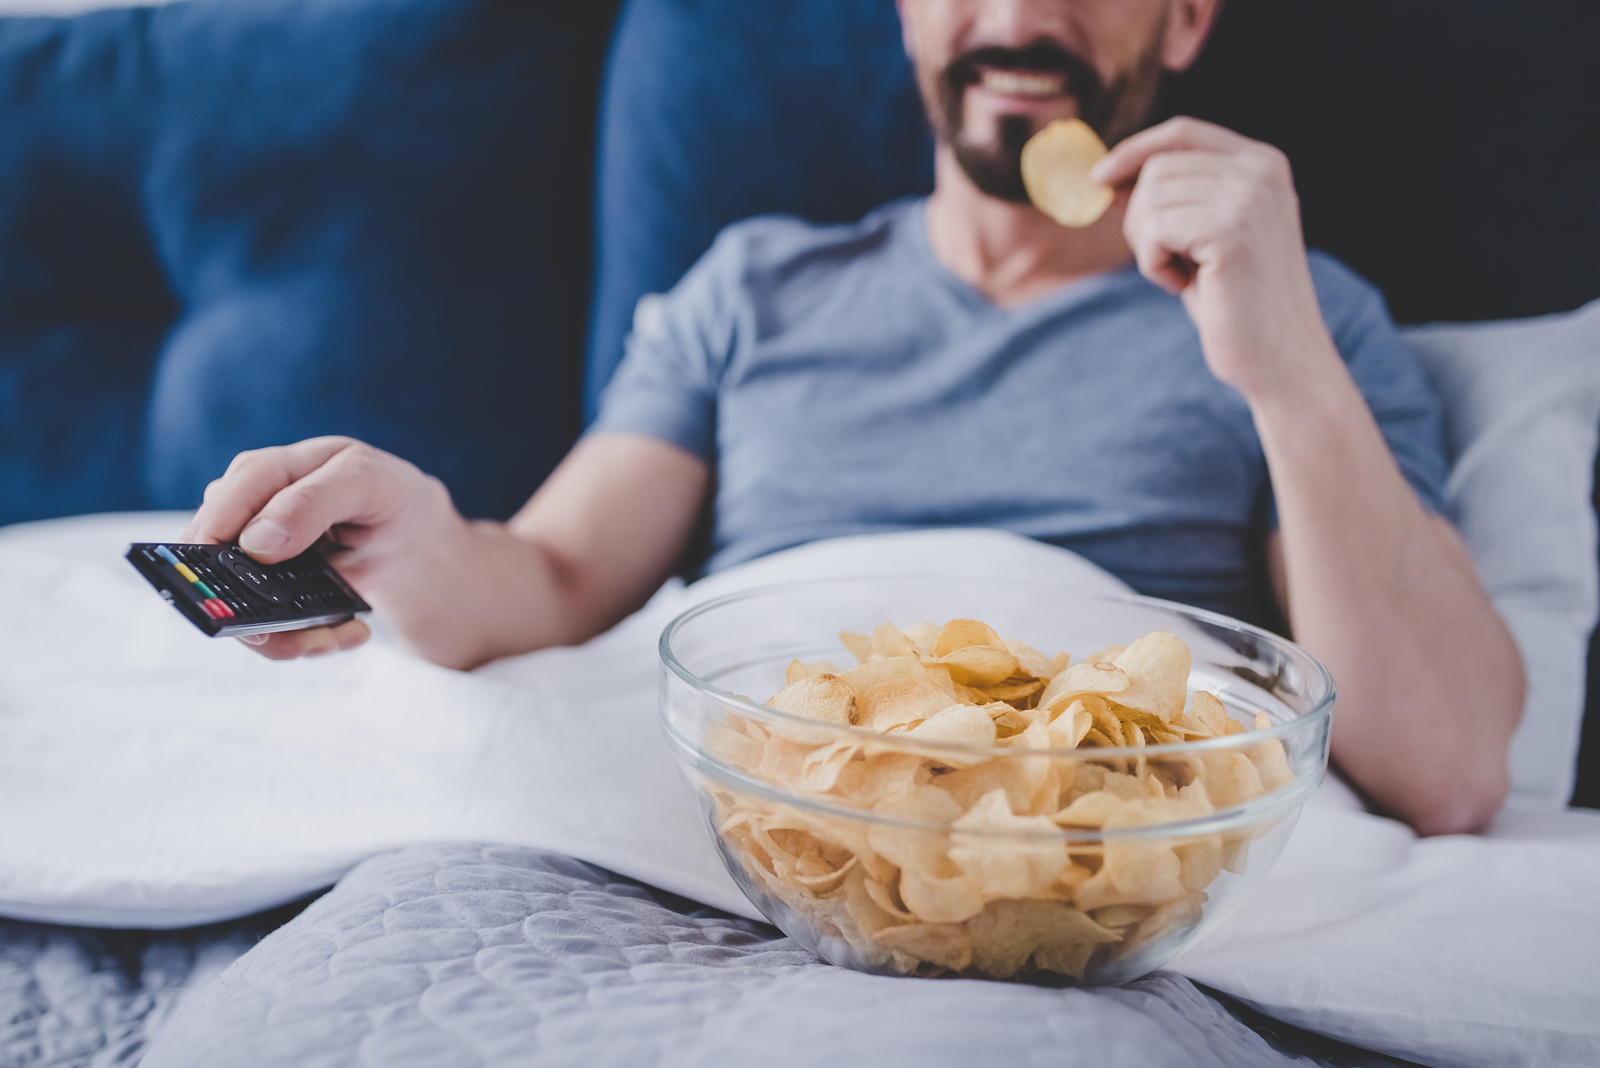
{"x":1312,"y":380}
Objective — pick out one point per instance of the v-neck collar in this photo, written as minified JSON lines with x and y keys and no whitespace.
{"x":915,"y":227}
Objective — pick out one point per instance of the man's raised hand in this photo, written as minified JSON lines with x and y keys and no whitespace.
{"x":1213,"y":216}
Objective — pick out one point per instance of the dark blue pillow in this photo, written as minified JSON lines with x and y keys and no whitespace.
{"x":715,"y":110}
{"x":83,"y":302}
{"x":1450,"y":151}
{"x":227,"y":225}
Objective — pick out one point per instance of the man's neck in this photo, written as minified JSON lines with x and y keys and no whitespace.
{"x":1013,"y":253}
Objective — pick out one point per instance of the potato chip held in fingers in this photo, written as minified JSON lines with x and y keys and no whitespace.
{"x":1055,"y":169}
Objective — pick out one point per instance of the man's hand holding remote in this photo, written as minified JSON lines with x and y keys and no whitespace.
{"x":590,"y":546}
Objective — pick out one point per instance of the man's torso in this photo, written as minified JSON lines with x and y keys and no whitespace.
{"x":843,"y":382}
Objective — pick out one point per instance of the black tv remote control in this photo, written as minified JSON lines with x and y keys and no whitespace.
{"x":225,"y":593}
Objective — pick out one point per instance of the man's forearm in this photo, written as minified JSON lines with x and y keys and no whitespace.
{"x":1430,"y":681}
{"x":479,"y":593}
{"x":591,"y":546}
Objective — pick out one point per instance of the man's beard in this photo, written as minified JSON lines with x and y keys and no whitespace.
{"x":1113,"y":111}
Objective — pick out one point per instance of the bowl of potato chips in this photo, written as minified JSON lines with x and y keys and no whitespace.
{"x":942,"y":777}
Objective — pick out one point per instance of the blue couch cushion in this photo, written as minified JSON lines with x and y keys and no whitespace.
{"x":228,"y":225}
{"x":1449,"y":151}
{"x":715,"y":110}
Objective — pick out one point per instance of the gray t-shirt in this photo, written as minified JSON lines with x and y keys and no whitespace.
{"x":839,"y":380}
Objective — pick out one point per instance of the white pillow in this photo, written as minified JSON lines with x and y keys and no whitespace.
{"x":1522,"y":407}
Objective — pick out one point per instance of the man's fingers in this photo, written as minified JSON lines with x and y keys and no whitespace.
{"x":313,"y":641}
{"x":352,"y":633}
{"x":353,"y":486}
{"x":1122,"y":164}
{"x":252,"y":479}
{"x":292,"y":644}
{"x":1164,"y":239}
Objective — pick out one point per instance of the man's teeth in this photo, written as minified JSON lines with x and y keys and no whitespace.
{"x":1023,"y":83}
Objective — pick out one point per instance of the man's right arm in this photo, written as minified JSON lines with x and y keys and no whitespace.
{"x":589,"y":547}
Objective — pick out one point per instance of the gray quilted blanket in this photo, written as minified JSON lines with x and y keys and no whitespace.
{"x":72,"y":997}
{"x":466,"y":955}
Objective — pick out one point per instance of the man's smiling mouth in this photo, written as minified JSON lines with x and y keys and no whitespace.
{"x":1039,"y":84}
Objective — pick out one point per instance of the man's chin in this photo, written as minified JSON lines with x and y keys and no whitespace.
{"x":995,"y":164}
{"x":996,"y":173}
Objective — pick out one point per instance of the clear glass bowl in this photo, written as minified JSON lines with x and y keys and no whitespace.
{"x":799,"y":810}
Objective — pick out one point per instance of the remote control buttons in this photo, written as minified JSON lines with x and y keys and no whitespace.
{"x":202,"y":594}
{"x":251,"y":576}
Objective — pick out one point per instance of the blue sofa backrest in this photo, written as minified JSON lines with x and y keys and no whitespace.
{"x":1449,"y":151}
{"x":228,"y":225}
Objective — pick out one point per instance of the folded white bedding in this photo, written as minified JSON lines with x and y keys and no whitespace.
{"x":151,"y":777}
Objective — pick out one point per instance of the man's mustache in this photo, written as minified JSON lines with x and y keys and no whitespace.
{"x":1047,"y":57}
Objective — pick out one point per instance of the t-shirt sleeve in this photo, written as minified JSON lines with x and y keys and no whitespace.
{"x":666,"y":385}
{"x":1386,"y":370}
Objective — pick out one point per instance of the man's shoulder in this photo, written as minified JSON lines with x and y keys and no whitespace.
{"x":1350,"y":303}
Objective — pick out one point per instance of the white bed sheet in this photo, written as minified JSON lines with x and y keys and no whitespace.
{"x":150,"y":777}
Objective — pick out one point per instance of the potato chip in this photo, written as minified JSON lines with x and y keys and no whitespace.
{"x":824,"y":698}
{"x":725,"y":742}
{"x":886,"y":899}
{"x":1271,"y":762}
{"x":1159,"y":664}
{"x":1207,"y":714}
{"x":978,"y":665}
{"x":1107,"y":723}
{"x":1008,"y":933}
{"x":860,"y":645}
{"x":1231,"y":779}
{"x":913,"y":846}
{"x":940,"y":900}
{"x":1013,"y":691}
{"x":869,"y":780}
{"x":1034,"y":736}
{"x":965,"y":724}
{"x":1165,"y":921}
{"x":960,"y":633}
{"x":1022,"y":780}
{"x":1055,"y":170}
{"x":924,"y":638}
{"x":1068,"y":728}
{"x":887,"y":641}
{"x":1005,"y":854}
{"x":1199,"y":861}
{"x":898,"y":702}
{"x":861,"y":912}
{"x":945,"y":944}
{"x":1121,"y":915}
{"x":1133,"y":872}
{"x":1031,"y":660}
{"x":819,"y":769}
{"x":1098,"y":678}
{"x":882,"y":670}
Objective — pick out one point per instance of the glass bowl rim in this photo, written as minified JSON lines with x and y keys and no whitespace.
{"x":1305,"y":721}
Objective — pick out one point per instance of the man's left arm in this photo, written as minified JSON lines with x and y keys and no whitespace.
{"x":1431,"y":685}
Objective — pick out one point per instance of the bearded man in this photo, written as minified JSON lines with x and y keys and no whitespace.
{"x":1178,"y":392}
